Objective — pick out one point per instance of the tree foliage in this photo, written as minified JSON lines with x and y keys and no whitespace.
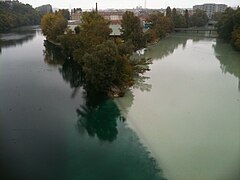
{"x":228,"y":26}
{"x":179,"y":21}
{"x":64,"y":12}
{"x":105,"y":63}
{"x":160,"y":26}
{"x":53,"y":25}
{"x":198,"y":19}
{"x":15,"y":14}
{"x":169,"y":12}
{"x":103,"y":67}
{"x":133,"y":30}
{"x":186,"y":16}
{"x":94,"y":29}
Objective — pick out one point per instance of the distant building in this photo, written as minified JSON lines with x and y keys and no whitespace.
{"x":15,"y":1}
{"x":114,"y":17}
{"x":44,"y":9}
{"x":76,"y":14}
{"x":210,"y":9}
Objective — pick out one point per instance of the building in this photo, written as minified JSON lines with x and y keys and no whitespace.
{"x":210,"y":9}
{"x":44,"y":9}
{"x":114,"y":17}
{"x":16,"y":1}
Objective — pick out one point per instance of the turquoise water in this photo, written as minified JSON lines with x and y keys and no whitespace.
{"x":181,"y":121}
{"x":50,"y":130}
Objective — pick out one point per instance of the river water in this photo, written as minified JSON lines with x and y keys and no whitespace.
{"x":180,"y":121}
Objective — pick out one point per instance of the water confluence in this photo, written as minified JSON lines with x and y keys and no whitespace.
{"x":180,"y":121}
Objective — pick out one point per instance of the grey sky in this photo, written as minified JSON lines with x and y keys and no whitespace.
{"x":104,"y":4}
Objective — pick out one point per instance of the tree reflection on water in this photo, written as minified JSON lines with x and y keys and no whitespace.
{"x":15,"y":39}
{"x":228,"y":58}
{"x":99,"y":118}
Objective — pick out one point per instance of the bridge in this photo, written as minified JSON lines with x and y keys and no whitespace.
{"x":210,"y":30}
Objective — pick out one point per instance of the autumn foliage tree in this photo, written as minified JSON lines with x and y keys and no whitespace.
{"x":160,"y":25}
{"x":53,"y":25}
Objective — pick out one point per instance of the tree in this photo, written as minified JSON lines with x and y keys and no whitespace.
{"x":199,"y":18}
{"x":161,"y":25}
{"x":178,"y":19}
{"x":94,"y":29}
{"x":77,"y":29}
{"x":236,"y":38}
{"x":53,"y":25}
{"x":225,"y":24}
{"x":186,"y":15}
{"x":103,"y":68}
{"x":14,"y":15}
{"x":228,"y":26}
{"x":64,"y":12}
{"x":169,"y":12}
{"x":217,"y":16}
{"x":132,"y":30}
{"x":105,"y":64}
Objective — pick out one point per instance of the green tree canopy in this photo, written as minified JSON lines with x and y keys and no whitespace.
{"x":15,"y":14}
{"x":179,"y":20}
{"x":104,"y":68}
{"x":94,"y":29}
{"x":133,"y":30}
{"x":64,"y":12}
{"x":199,"y":18}
{"x":228,"y":26}
{"x":186,"y":15}
{"x":169,"y":12}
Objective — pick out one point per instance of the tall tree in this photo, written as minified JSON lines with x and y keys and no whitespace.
{"x":94,"y":28}
{"x":104,"y":69}
{"x":186,"y":15}
{"x":65,"y":13}
{"x":94,"y":31}
{"x":225,"y":24}
{"x":169,"y":12}
{"x":133,"y":30}
{"x":161,"y":25}
{"x":199,"y":18}
{"x":178,"y":19}
{"x":228,"y":26}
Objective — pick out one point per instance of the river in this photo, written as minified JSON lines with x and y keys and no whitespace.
{"x":180,"y":121}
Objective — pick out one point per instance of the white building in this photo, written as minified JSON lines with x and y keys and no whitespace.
{"x":210,"y":9}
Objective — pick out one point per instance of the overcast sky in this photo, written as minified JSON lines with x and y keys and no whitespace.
{"x":120,"y":4}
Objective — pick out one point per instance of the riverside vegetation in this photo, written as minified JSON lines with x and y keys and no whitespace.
{"x":108,"y":63}
{"x":16,"y":14}
{"x":229,"y":26}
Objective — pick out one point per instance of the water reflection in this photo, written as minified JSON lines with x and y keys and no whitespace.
{"x":99,"y":118}
{"x":167,"y":46}
{"x":17,"y":37}
{"x":52,"y":54}
{"x":228,"y":58}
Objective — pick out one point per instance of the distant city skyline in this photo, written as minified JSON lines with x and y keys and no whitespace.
{"x":123,"y":4}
